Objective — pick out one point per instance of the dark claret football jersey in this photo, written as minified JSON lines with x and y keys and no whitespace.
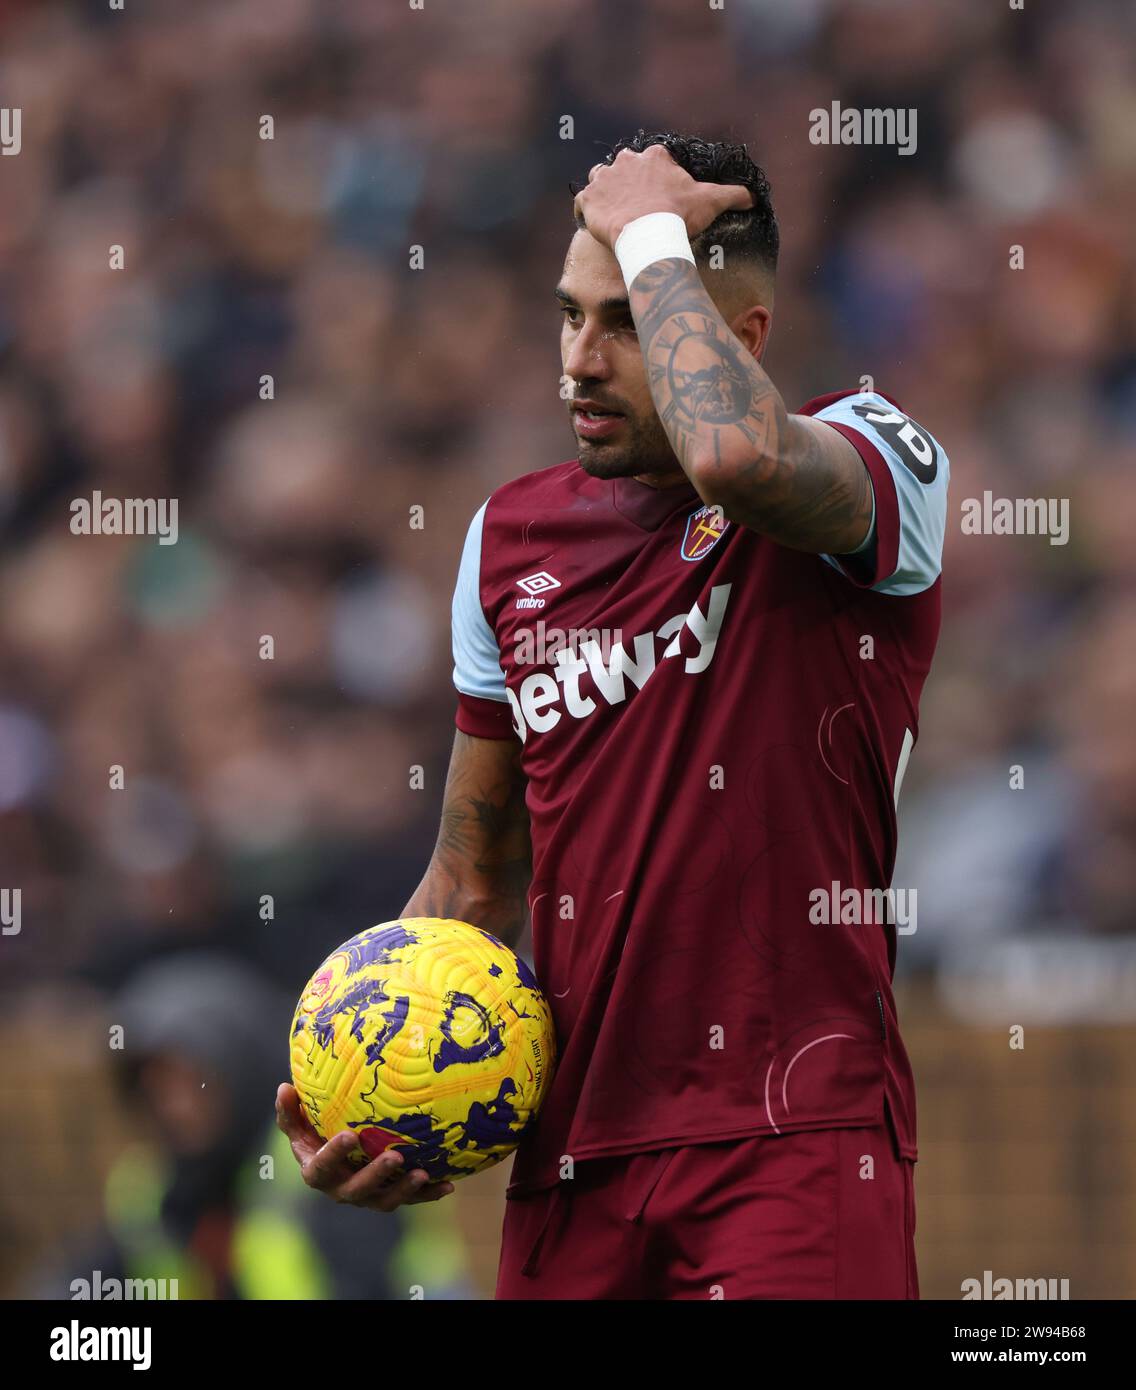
{"x":715,"y":729}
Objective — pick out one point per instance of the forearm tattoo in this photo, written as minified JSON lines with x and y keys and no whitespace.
{"x":727,"y":422}
{"x":482,"y":863}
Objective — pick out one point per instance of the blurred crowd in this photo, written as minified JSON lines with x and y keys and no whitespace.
{"x":269,"y":807}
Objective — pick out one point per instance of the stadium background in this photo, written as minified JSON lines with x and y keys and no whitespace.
{"x":397,"y":387}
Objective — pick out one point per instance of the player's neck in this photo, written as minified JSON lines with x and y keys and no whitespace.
{"x":662,"y":480}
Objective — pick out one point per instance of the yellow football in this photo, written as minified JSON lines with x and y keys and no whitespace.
{"x":426,"y":1035}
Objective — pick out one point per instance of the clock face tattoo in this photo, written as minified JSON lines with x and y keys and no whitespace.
{"x":716,"y":391}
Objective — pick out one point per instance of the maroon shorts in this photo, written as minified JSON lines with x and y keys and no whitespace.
{"x":825,"y":1214}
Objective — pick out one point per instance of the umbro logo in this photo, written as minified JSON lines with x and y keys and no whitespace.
{"x":538,"y":583}
{"x":535,"y":585}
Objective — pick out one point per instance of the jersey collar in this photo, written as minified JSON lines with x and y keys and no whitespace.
{"x":648,"y":507}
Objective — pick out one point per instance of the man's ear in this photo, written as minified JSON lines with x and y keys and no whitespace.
{"x":753,"y":326}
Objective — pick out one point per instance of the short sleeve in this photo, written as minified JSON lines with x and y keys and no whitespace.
{"x":483,"y":707}
{"x":910,"y":471}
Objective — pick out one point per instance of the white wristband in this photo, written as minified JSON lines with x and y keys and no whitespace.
{"x":659,"y":236}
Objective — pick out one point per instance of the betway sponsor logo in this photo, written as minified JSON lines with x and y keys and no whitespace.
{"x":587,"y":675}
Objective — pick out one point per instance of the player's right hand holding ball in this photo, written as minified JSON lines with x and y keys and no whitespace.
{"x":381,"y":1185}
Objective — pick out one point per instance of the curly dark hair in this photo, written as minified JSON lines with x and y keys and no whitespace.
{"x":752,"y":234}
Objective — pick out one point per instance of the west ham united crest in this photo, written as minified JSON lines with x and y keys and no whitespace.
{"x":704,"y":529}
